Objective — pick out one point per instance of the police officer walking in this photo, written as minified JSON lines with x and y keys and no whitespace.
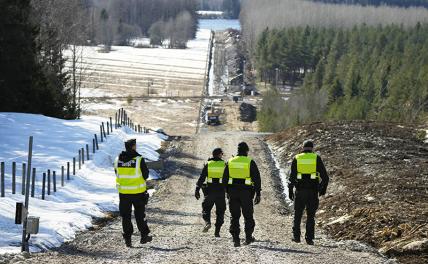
{"x":309,"y":176}
{"x":242,"y":180}
{"x":214,"y":192}
{"x":131,"y":174}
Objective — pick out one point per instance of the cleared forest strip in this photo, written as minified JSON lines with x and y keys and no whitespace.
{"x":378,"y":191}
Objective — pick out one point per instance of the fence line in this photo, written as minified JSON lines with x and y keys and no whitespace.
{"x":48,"y":180}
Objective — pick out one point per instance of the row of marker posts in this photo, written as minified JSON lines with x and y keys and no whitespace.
{"x":50,"y":176}
{"x":31,"y":224}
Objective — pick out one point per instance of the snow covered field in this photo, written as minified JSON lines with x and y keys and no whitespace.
{"x":128,"y":71}
{"x":90,"y":193}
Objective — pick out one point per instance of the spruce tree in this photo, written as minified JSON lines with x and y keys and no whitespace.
{"x":21,"y":79}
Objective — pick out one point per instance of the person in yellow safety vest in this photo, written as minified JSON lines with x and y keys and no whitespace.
{"x":242,"y":181}
{"x":131,"y":175}
{"x":210,"y":181}
{"x":309,"y":176}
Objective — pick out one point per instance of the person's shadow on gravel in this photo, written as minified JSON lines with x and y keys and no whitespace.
{"x":284,"y":250}
{"x":169,"y":249}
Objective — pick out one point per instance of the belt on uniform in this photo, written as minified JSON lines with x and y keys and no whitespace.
{"x":215,"y":180}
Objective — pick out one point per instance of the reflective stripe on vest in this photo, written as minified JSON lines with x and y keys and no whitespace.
{"x":307,"y":164}
{"x":215,"y":170}
{"x":239,"y":168}
{"x":129,"y":178}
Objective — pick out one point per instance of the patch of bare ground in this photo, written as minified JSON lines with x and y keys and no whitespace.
{"x":379,"y":183}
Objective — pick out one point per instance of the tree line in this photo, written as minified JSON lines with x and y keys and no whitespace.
{"x":400,"y":3}
{"x":365,"y":72}
{"x":256,"y":15}
{"x":231,"y":8}
{"x":117,"y":22}
{"x":35,"y":35}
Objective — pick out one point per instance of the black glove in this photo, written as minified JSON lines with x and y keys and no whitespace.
{"x":321,"y":189}
{"x":257,"y":199}
{"x":291,"y":194}
{"x":146,"y":198}
{"x":197,"y":194}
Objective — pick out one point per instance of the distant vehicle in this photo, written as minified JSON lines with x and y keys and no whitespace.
{"x":212,"y":119}
{"x":212,"y":114}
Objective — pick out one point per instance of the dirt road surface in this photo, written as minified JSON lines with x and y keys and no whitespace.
{"x":174,"y":216}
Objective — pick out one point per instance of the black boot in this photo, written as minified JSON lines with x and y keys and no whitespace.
{"x":217,"y":231}
{"x":309,"y":241}
{"x":236,"y":241}
{"x":206,"y":227}
{"x":145,"y":239}
{"x":249,"y":240}
{"x":128,"y":241}
{"x":296,"y":236}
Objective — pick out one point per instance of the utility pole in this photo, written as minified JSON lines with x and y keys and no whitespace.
{"x":276,"y":78}
{"x":243,"y":79}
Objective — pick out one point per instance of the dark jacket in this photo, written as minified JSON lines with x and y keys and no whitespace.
{"x":204,"y":175}
{"x":254,"y":174}
{"x":306,"y":182}
{"x":128,"y":155}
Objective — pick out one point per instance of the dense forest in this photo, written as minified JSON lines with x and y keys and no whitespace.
{"x":377,"y":73}
{"x":256,"y":15}
{"x":401,"y":3}
{"x":31,"y":66}
{"x":345,"y":61}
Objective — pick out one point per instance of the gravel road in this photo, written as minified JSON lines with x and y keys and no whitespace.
{"x":175,"y":222}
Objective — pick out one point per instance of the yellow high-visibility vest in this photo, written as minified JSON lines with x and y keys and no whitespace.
{"x":239,"y":168}
{"x":215,"y":170}
{"x":129,"y":178}
{"x":307,"y":164}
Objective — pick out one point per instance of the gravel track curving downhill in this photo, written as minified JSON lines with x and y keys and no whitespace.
{"x":175,"y":222}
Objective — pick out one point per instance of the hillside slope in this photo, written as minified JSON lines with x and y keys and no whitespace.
{"x":379,"y":183}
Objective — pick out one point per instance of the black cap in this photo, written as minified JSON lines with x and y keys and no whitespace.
{"x":308,"y":144}
{"x":217,"y":152}
{"x":130,"y":143}
{"x":243,"y":147}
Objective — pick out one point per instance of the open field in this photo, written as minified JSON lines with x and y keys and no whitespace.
{"x":138,"y":71}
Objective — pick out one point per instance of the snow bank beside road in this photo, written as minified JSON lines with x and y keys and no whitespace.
{"x":89,"y":193}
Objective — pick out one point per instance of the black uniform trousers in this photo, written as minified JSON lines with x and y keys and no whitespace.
{"x":214,"y":196}
{"x":241,"y":199}
{"x":139,"y":201}
{"x":305,"y":199}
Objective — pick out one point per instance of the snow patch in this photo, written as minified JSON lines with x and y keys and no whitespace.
{"x":90,"y":193}
{"x":283,"y":176}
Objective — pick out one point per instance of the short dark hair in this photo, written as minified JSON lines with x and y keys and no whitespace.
{"x":243,"y":147}
{"x":130,"y":143}
{"x":217,"y":152}
{"x":308,"y":144}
